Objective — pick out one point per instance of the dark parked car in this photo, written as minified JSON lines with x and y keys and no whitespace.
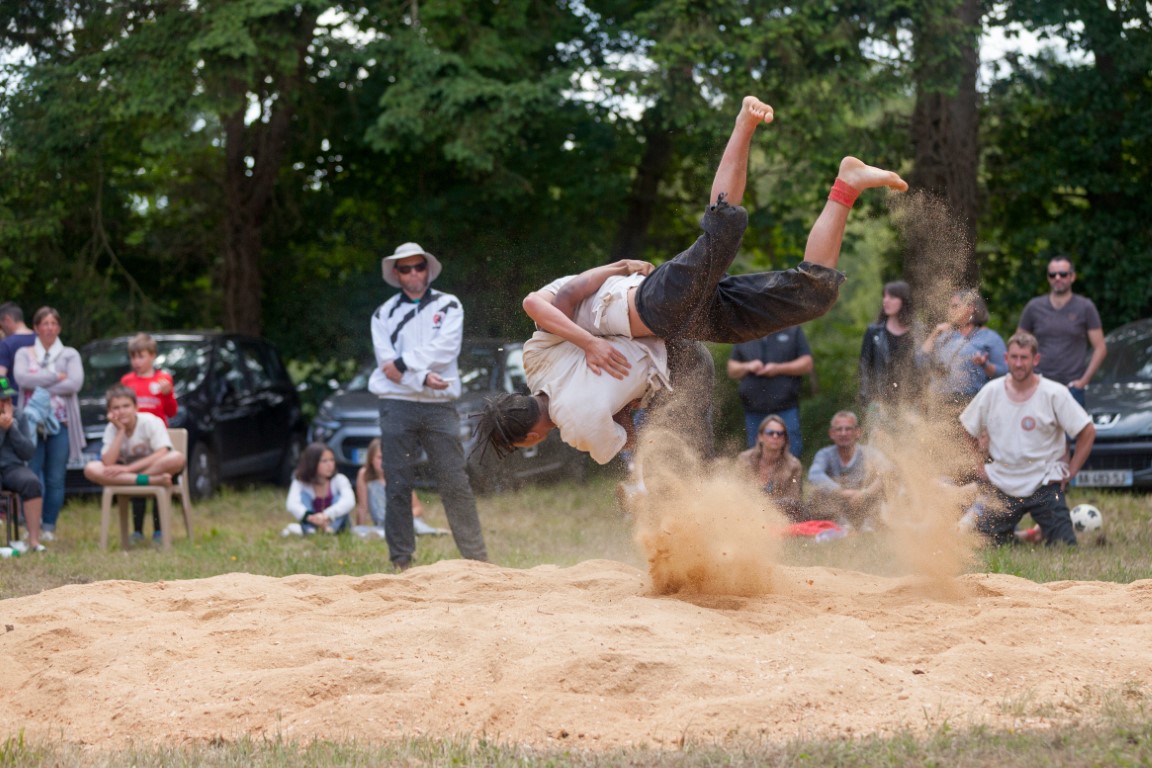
{"x":1120,"y":402}
{"x":240,"y":408}
{"x":349,"y":420}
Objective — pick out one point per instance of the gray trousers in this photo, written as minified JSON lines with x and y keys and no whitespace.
{"x":406,"y":428}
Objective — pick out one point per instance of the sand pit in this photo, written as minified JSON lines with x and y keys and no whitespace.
{"x":580,"y":657}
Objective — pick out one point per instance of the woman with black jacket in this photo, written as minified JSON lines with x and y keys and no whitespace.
{"x":887,"y":355}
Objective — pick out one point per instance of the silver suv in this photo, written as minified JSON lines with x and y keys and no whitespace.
{"x":349,"y":420}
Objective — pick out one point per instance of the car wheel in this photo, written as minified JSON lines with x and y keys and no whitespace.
{"x":290,"y":459}
{"x":202,"y":473}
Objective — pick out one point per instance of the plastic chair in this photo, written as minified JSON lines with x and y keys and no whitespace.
{"x":13,"y":507}
{"x":162,"y":494}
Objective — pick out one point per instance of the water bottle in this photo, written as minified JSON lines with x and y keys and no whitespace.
{"x":9,"y":552}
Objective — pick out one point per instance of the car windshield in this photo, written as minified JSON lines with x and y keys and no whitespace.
{"x":476,"y":366}
{"x":186,"y":360}
{"x":1129,"y":355}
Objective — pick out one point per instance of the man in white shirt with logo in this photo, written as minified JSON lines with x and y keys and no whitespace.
{"x":1027,"y":417}
{"x":416,"y":336}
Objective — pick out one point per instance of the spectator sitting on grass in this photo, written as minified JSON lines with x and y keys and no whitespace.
{"x":846,"y":477}
{"x":773,"y":467}
{"x":372,"y":495}
{"x":320,"y":498}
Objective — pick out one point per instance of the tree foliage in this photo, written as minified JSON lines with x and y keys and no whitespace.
{"x":246,"y":163}
{"x":131,"y":104}
{"x":1067,"y":167}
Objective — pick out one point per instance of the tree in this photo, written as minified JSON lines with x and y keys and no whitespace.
{"x":1069,"y":137}
{"x":944,"y":134}
{"x":505,"y":173}
{"x":166,"y":79}
{"x":689,"y":65}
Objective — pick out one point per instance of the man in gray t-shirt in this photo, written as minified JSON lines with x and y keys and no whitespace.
{"x":1066,"y":325}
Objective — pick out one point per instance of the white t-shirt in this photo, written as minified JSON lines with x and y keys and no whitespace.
{"x":149,"y":436}
{"x":580,"y":402}
{"x":604,"y":313}
{"x":1026,"y":440}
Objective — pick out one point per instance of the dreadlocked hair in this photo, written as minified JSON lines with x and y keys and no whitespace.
{"x":506,"y":419}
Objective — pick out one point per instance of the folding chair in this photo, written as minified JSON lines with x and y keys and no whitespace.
{"x":13,"y":507}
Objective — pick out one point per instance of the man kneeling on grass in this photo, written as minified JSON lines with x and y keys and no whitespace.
{"x":137,"y":449}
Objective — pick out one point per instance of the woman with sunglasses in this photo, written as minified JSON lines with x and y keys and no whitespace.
{"x":774,"y":468}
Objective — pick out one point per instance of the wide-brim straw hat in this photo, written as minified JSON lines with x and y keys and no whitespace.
{"x":403,"y":251}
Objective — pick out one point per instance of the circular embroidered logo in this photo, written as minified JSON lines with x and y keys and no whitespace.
{"x":1028,"y":423}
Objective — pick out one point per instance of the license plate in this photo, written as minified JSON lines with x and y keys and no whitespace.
{"x":358,"y":455}
{"x":1103,"y":478}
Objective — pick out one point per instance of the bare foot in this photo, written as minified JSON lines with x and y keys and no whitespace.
{"x":755,"y":111}
{"x":162,"y":479}
{"x":855,"y":173}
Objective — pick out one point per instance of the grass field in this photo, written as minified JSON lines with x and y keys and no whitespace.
{"x":239,"y":530}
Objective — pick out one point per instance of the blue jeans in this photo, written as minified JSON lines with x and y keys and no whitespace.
{"x":791,"y":418}
{"x":1078,"y":395}
{"x":405,"y":428}
{"x":50,"y":463}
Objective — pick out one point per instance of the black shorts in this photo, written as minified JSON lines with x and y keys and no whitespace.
{"x":22,"y":481}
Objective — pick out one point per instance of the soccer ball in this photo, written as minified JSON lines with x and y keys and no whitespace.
{"x":1087,"y":520}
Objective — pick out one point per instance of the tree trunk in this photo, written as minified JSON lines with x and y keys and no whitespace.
{"x":253,"y":156}
{"x":243,"y":287}
{"x":945,"y":122}
{"x":632,"y":234}
{"x":1102,"y":32}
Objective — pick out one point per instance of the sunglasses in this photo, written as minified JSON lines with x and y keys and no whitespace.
{"x":1052,"y":275}
{"x":774,"y":433}
{"x":406,"y":268}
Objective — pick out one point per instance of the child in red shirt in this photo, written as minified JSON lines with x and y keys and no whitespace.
{"x":153,"y":388}
{"x":154,"y":395}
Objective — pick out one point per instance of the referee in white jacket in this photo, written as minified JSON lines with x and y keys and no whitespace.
{"x":416,"y":336}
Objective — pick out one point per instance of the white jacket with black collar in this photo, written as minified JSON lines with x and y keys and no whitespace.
{"x":422,"y":337}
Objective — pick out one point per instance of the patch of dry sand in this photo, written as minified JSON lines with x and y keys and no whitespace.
{"x":581,"y":656}
{"x":601,"y":655}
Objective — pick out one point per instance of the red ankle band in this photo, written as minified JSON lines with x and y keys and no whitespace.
{"x":843,"y":193}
